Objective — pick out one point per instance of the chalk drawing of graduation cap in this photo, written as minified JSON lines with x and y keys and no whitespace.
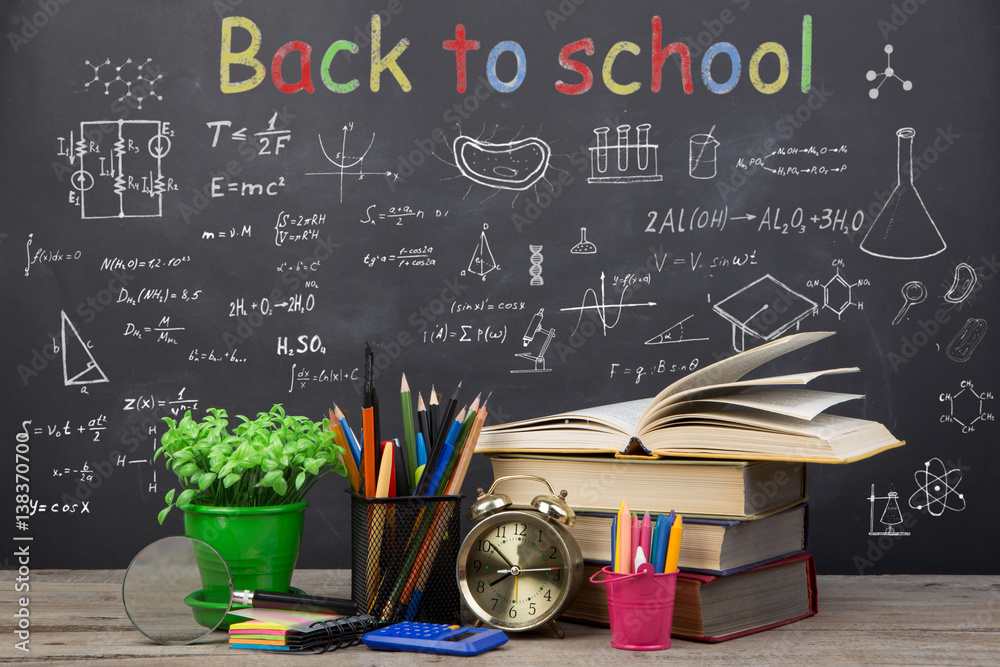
{"x":765,"y":309}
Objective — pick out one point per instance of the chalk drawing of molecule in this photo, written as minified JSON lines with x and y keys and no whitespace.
{"x":133,"y":77}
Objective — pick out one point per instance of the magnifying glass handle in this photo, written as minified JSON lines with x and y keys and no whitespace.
{"x":272,"y":600}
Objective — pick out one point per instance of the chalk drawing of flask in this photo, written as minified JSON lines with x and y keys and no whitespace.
{"x":701,"y":156}
{"x":903,"y":228}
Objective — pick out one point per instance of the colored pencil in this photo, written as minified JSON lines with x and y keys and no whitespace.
{"x":433,"y":414}
{"x":633,"y":540}
{"x":409,"y":432}
{"x":351,"y":440}
{"x":345,"y":457}
{"x":463,"y":437}
{"x":468,"y":447}
{"x":445,"y":456}
{"x":624,"y":537}
{"x":448,"y":414}
{"x":402,"y":468}
{"x":385,"y":473}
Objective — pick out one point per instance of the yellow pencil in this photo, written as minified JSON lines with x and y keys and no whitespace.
{"x":674,"y":545}
{"x":624,"y":539}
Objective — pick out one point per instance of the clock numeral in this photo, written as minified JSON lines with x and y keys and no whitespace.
{"x":554,"y":553}
{"x":539,"y":534}
{"x":481,"y":586}
{"x":548,"y":595}
{"x":520,"y":529}
{"x":501,"y":531}
{"x":555,"y":574}
{"x":495,"y":600}
{"x":531,"y":609}
{"x":477,"y":565}
{"x":513,"y":612}
{"x":480,"y":545}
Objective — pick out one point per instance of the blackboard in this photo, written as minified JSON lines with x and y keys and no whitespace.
{"x":176,"y":236}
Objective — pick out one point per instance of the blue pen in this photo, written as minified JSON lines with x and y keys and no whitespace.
{"x":351,"y":440}
{"x":411,"y":609}
{"x":663,"y":525}
{"x":421,"y":460}
{"x":614,"y":539}
{"x":446,"y":450}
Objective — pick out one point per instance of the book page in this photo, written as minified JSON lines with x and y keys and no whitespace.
{"x":735,"y":367}
{"x":798,"y":403}
{"x":622,"y":416}
{"x":733,"y":387}
{"x":823,"y":426}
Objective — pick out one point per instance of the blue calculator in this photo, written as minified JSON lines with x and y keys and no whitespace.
{"x":434,"y":638}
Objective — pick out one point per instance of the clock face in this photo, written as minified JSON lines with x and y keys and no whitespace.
{"x":516,"y":570}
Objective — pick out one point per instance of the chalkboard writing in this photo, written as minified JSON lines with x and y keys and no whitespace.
{"x":564,"y":204}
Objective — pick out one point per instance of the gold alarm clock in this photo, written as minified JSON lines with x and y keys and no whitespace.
{"x":519,"y":569}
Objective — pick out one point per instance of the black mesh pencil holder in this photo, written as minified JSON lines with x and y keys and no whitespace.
{"x":403,"y":555}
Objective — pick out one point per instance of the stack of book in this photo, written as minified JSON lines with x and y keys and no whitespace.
{"x":727,"y":453}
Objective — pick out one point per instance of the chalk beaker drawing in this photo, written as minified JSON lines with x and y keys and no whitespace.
{"x":702,"y":154}
{"x":903,"y":228}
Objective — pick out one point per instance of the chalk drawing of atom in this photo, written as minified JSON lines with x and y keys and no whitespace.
{"x":936,"y":493}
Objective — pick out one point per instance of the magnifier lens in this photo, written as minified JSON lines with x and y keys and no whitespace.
{"x":177,"y":590}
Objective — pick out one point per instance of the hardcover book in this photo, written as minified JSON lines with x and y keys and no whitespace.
{"x":712,"y":413}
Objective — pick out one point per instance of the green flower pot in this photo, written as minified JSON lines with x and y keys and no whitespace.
{"x":258,"y":544}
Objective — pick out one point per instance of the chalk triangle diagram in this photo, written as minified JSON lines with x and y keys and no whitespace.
{"x":79,"y":365}
{"x":668,"y":336}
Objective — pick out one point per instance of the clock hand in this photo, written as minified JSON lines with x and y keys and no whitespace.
{"x":523,"y":569}
{"x":505,"y":573}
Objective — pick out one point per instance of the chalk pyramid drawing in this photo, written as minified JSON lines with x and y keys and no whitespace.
{"x":482,"y":261}
{"x":79,"y":365}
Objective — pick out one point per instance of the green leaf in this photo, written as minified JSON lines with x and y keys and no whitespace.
{"x":206,"y":480}
{"x":186,"y":496}
{"x":280,"y":486}
{"x":163,"y":514}
{"x":269,"y":479}
{"x":300,"y":479}
{"x":231,"y":479}
{"x":170,"y":497}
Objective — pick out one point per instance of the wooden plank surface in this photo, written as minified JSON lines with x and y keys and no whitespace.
{"x":77,"y":617}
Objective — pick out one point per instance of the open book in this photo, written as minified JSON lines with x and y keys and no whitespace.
{"x":714,"y":413}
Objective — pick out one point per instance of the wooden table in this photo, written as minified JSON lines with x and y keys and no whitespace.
{"x":77,"y":618}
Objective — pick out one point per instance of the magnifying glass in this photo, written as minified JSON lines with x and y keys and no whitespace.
{"x":164,"y":594}
{"x":179,"y":589}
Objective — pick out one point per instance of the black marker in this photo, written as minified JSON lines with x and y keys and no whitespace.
{"x":271,"y":600}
